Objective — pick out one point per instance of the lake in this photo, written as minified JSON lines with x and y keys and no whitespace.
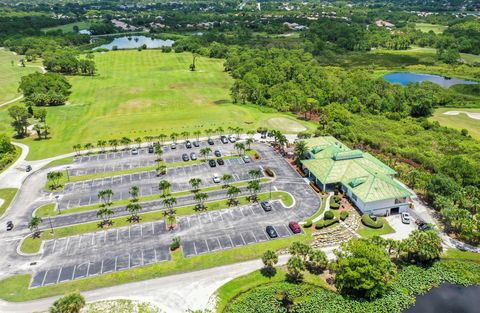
{"x":133,"y":42}
{"x":448,"y":298}
{"x":406,"y":77}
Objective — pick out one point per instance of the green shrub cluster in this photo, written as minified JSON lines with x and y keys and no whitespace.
{"x":367,"y":221}
{"x":343,"y":215}
{"x":325,"y":223}
{"x":334,"y":206}
{"x":307,"y":224}
{"x":328,"y":215}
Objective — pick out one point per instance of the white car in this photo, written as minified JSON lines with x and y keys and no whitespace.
{"x":216,"y":178}
{"x":406,"y":218}
{"x":246,"y":159}
{"x":134,"y":151}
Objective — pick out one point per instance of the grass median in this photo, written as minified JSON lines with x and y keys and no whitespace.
{"x":45,"y":211}
{"x":7,"y":195}
{"x":32,"y":245}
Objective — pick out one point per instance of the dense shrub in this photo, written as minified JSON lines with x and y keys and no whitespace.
{"x":325,"y":223}
{"x":329,"y":215}
{"x":334,"y":206}
{"x":175,"y":244}
{"x":343,"y":215}
{"x":367,"y":221}
{"x":308,"y":224}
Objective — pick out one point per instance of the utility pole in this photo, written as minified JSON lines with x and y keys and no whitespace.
{"x":51,"y":225}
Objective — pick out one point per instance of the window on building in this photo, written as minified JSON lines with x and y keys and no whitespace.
{"x":354,"y":197}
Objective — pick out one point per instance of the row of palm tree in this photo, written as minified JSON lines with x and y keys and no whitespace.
{"x":126,"y":142}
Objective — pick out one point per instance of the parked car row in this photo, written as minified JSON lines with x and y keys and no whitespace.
{"x":294,"y":227}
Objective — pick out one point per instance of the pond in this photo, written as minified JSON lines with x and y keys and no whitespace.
{"x":406,"y":77}
{"x":133,"y":42}
{"x":448,"y":298}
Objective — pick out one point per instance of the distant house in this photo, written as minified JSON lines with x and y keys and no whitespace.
{"x":84,"y":32}
{"x":365,"y":180}
{"x":382,"y":23}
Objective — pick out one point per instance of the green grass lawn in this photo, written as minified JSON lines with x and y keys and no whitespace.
{"x":32,"y":245}
{"x":136,"y":94}
{"x":460,"y":121}
{"x":7,"y":194}
{"x":68,"y":28}
{"x":368,"y":232}
{"x":455,"y":254}
{"x":425,"y":27}
{"x":10,"y":77}
{"x":63,"y":161}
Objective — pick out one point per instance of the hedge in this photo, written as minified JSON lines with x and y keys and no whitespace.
{"x":307,"y":224}
{"x":367,"y":221}
{"x":329,"y":215}
{"x":343,"y":215}
{"x":325,"y":223}
{"x":334,"y":206}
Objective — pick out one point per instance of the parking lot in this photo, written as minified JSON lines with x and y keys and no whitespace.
{"x":103,"y":252}
{"x":121,"y":248}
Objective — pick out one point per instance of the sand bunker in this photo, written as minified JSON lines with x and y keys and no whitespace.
{"x":475,"y":116}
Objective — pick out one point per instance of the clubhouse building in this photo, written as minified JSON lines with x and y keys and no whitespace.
{"x":365,"y":180}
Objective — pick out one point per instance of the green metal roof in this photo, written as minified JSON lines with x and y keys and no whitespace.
{"x":367,"y":177}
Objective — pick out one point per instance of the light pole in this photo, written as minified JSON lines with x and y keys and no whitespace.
{"x":51,"y":225}
{"x":68,"y":175}
{"x":58,"y":204}
{"x":270,"y":190}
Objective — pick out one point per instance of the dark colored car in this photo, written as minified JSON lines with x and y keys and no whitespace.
{"x":188,"y":144}
{"x":193,"y":156}
{"x":294,"y":227}
{"x":424,"y":226}
{"x":217,"y":153}
{"x":271,"y":232}
{"x":224,"y":139}
{"x":9,"y":225}
{"x":220,"y":161}
{"x":150,"y":149}
{"x":266,"y":206}
{"x":185,"y":157}
{"x":196,"y":143}
{"x":212,"y":163}
{"x":28,"y":168}
{"x":210,"y":141}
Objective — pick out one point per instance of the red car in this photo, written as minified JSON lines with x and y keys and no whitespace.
{"x":294,"y":227}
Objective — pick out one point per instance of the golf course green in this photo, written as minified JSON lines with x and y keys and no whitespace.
{"x":145,"y":93}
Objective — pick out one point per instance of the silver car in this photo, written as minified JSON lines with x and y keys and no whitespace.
{"x":406,"y":218}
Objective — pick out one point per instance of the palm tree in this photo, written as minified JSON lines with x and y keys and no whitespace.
{"x":33,"y":225}
{"x":104,"y":214}
{"x":226,"y":178}
{"x":71,"y":303}
{"x":169,"y":202}
{"x":138,"y":141}
{"x":38,"y":128}
{"x":251,"y":133}
{"x":301,"y":150}
{"x":125,"y":141}
{"x":209,"y":132}
{"x":171,"y":219}
{"x":269,"y":258}
{"x":113,"y":143}
{"x":54,"y":178}
{"x":240,"y":147}
{"x":219,"y":130}
{"x":197,"y":134}
{"x":205,"y":152}
{"x":133,"y":191}
{"x":174,"y":137}
{"x":88,"y":146}
{"x":248,"y":142}
{"x":232,"y":193}
{"x":185,"y":135}
{"x":161,"y":170}
{"x":158,"y":151}
{"x":134,"y":208}
{"x":101,"y":144}
{"x":164,"y":186}
{"x":162,"y":138}
{"x":253,"y":187}
{"x":105,"y":196}
{"x":200,"y":197}
{"x":77,"y":148}
{"x":195,"y":183}
{"x":255,"y":173}
{"x":238,"y":131}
